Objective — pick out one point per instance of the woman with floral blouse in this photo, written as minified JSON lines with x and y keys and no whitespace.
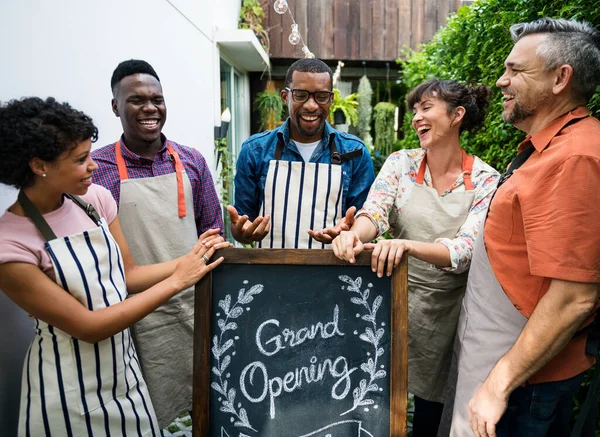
{"x":432,"y":201}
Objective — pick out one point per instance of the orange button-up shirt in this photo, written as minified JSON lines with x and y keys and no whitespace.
{"x":544,"y":224}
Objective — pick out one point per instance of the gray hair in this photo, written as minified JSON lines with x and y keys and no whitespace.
{"x":575,"y":43}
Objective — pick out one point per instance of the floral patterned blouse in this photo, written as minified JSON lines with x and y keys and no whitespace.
{"x":393,"y":187}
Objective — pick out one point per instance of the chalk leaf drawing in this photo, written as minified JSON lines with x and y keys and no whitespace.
{"x":371,"y":335}
{"x":221,"y":346}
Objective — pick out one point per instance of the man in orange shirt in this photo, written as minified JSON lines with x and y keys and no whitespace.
{"x":533,"y":282}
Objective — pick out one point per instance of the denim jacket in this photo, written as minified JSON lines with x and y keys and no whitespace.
{"x":259,"y":149}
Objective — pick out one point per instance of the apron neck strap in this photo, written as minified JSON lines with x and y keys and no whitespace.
{"x":336,"y":158}
{"x":179,"y":169}
{"x":40,"y":222}
{"x":467,"y":169}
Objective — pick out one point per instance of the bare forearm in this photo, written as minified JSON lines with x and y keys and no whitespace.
{"x":140,"y":278}
{"x":551,"y":326}
{"x":106,"y":322}
{"x":364,"y":229}
{"x":433,"y":253}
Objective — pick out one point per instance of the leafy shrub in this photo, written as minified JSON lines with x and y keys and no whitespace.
{"x":385,"y":136}
{"x":365,"y":95}
{"x":471,"y":49}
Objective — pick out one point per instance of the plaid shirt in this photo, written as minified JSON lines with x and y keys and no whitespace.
{"x":207,"y":209}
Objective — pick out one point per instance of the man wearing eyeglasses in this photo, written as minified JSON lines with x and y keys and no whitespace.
{"x":302,"y":176}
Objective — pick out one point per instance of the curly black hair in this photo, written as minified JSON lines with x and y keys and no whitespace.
{"x":35,"y":128}
{"x":127,"y":68}
{"x":474,"y":98}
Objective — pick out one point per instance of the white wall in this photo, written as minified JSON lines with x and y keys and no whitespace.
{"x":68,"y":49}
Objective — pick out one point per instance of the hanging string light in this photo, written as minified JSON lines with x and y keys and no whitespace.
{"x":295,"y":38}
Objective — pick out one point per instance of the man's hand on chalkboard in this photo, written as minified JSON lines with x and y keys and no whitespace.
{"x":347,"y":245}
{"x":387,"y":255}
{"x":246,"y":231}
{"x":327,"y":235}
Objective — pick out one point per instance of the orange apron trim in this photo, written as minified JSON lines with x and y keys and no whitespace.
{"x":123,"y":175}
{"x":467,"y":169}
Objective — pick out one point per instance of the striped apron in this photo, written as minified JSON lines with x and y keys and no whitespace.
{"x":72,"y":388}
{"x":300,"y":196}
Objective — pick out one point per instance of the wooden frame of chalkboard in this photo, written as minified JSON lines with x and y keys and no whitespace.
{"x":398,"y":329}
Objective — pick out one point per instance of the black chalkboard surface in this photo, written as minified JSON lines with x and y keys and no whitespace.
{"x":296,"y":343}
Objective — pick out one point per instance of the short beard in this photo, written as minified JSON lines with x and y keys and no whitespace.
{"x":518,"y":114}
{"x":306,"y":133}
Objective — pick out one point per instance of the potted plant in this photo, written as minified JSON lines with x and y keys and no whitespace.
{"x":270,"y":108}
{"x":344,"y":107}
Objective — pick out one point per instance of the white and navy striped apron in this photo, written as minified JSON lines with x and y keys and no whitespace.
{"x":300,"y":196}
{"x":72,"y":388}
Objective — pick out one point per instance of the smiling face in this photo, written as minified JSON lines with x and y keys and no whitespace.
{"x":526,"y":87}
{"x":433,"y":123}
{"x":307,"y":120}
{"x":140,"y":104}
{"x":72,"y":171}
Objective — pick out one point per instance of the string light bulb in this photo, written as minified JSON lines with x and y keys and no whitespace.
{"x":294,"y":37}
{"x":280,"y":6}
{"x":307,"y":52}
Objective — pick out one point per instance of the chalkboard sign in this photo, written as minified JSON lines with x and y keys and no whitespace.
{"x":296,"y":343}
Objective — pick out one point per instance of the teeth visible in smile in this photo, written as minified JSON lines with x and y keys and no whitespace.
{"x":423,"y":129}
{"x":309,"y":117}
{"x":87,"y":179}
{"x":149,"y":123}
{"x":508,"y":96}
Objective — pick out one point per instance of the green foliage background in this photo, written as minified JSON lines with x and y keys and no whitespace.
{"x":472,"y":49}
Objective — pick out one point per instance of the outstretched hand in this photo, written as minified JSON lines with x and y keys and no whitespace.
{"x":327,"y":235}
{"x":246,"y":231}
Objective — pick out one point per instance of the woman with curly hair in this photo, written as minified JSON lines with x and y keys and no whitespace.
{"x":64,"y":260}
{"x":432,"y":200}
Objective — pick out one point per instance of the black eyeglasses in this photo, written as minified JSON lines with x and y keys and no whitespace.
{"x":301,"y":96}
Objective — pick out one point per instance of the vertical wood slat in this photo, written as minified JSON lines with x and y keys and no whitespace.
{"x":354,"y":29}
{"x":287,"y":49}
{"x":430,"y":19}
{"x":274,"y":29}
{"x":340,"y":29}
{"x":391,"y":29}
{"x":314,"y":22}
{"x":327,"y":28}
{"x":444,"y":9}
{"x":405,"y":24}
{"x":301,"y":17}
{"x":378,"y":29}
{"x":365,"y":38}
{"x":418,"y":18}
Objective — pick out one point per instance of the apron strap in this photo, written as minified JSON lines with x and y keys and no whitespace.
{"x":181,"y":208}
{"x":123,"y":175}
{"x":179,"y":169}
{"x":40,"y":222}
{"x":467,"y":169}
{"x":336,"y":157}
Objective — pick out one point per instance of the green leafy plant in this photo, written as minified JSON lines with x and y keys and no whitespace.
{"x":270,"y":108}
{"x":225,"y":176}
{"x":251,"y":17}
{"x":348,"y":105}
{"x":385,"y":135}
{"x":365,"y":110}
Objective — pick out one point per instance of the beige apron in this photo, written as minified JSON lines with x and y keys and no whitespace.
{"x":434,"y":296}
{"x":488,"y":327}
{"x":157,"y":217}
{"x":300,"y":196}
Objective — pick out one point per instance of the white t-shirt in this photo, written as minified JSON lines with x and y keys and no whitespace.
{"x":306,"y":149}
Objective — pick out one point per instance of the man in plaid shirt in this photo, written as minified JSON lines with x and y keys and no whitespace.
{"x":166,"y":198}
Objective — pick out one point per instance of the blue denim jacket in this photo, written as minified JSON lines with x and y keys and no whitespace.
{"x":259,"y":149}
